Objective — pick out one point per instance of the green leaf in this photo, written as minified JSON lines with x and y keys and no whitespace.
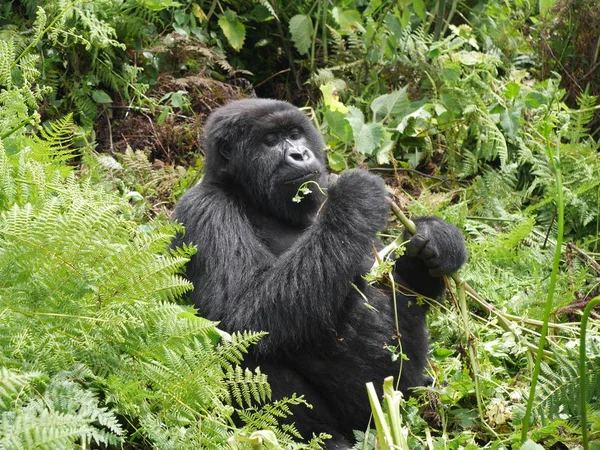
{"x":451,"y":72}
{"x":337,"y":161}
{"x":536,"y":99}
{"x":233,"y":29}
{"x":331,"y":99}
{"x":180,"y":99}
{"x":367,"y":136}
{"x":509,"y":121}
{"x":338,"y":125}
{"x":159,"y":5}
{"x":395,"y":103}
{"x":419,"y":6}
{"x":301,"y":28}
{"x":384,"y":152}
{"x":348,"y":19}
{"x":101,"y":97}
{"x":512,"y":90}
{"x":469,"y":58}
{"x":415,"y":123}
{"x":442,"y":353}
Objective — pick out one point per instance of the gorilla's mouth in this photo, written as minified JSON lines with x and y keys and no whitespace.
{"x":307,"y":177}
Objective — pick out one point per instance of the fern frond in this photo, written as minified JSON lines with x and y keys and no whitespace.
{"x":7,"y":56}
{"x":7,"y":183}
{"x":581,"y":118}
{"x":233,"y":351}
{"x":269,"y":415}
{"x":15,"y":385}
{"x":559,"y":384}
{"x":248,"y":387}
{"x":55,"y":140}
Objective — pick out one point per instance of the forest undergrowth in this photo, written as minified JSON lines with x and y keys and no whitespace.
{"x":101,"y":112}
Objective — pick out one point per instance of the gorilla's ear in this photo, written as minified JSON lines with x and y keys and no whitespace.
{"x":223,"y":131}
{"x":225,"y":150}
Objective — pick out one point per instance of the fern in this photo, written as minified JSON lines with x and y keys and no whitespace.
{"x":15,"y":386}
{"x":248,"y":387}
{"x":559,"y":384}
{"x":64,"y":413}
{"x":581,"y":118}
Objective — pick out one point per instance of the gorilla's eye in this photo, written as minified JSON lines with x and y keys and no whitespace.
{"x":271,"y":140}
{"x":295,"y":134}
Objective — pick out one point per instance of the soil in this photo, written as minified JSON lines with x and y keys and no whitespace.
{"x":178,"y":139}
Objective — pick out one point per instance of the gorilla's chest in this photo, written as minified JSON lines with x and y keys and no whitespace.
{"x":277,"y":236}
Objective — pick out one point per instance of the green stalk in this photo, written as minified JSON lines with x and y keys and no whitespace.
{"x":383,"y":430}
{"x":324,"y":31}
{"x":39,"y":37}
{"x":462,"y":301}
{"x":393,"y":399}
{"x":582,"y":371}
{"x":548,"y":307}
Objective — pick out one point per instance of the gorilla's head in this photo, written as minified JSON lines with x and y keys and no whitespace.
{"x":265,"y":150}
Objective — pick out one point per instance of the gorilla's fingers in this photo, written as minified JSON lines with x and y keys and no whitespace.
{"x":437,"y":272}
{"x":416,"y":244}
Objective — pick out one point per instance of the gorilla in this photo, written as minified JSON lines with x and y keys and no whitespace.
{"x":295,"y":269}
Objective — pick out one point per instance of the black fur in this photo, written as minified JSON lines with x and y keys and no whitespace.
{"x":267,"y":263}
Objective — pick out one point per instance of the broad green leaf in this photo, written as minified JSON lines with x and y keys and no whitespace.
{"x":180,"y":99}
{"x":337,"y":161}
{"x":233,"y":29}
{"x":536,"y":99}
{"x":367,"y":136}
{"x":442,"y":353}
{"x":301,"y":28}
{"x":158,"y":5}
{"x":469,"y":58}
{"x":101,"y":97}
{"x":395,"y":102}
{"x":415,"y":123}
{"x":331,"y":98}
{"x":338,"y":126}
{"x":451,"y":72}
{"x":509,"y":121}
{"x":348,"y":19}
{"x":512,"y":90}
{"x":419,"y":6}
{"x":384,"y":153}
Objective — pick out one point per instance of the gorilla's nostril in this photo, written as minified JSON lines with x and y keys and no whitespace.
{"x":298,"y":156}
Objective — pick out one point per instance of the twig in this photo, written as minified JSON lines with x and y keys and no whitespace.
{"x":584,"y":257}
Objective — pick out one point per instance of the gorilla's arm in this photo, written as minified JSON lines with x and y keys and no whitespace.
{"x":437,"y":249}
{"x":239,"y":282}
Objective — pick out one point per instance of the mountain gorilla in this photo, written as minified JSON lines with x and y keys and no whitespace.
{"x":265,"y":262}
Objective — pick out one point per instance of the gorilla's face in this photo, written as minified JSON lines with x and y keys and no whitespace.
{"x":268,"y":149}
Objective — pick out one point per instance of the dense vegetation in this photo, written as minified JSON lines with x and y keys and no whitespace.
{"x":484,"y":113}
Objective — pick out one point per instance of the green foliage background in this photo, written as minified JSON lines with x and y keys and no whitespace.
{"x":450,"y":100}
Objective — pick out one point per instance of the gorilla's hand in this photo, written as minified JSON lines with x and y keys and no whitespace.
{"x":440,"y":245}
{"x":360,"y":199}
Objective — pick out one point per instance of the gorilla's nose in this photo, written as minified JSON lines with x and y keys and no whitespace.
{"x":298,"y":156}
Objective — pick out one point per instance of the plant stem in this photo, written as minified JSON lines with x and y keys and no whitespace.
{"x":582,"y":371}
{"x":555,"y":160}
{"x":39,"y":37}
{"x":461,"y":289}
